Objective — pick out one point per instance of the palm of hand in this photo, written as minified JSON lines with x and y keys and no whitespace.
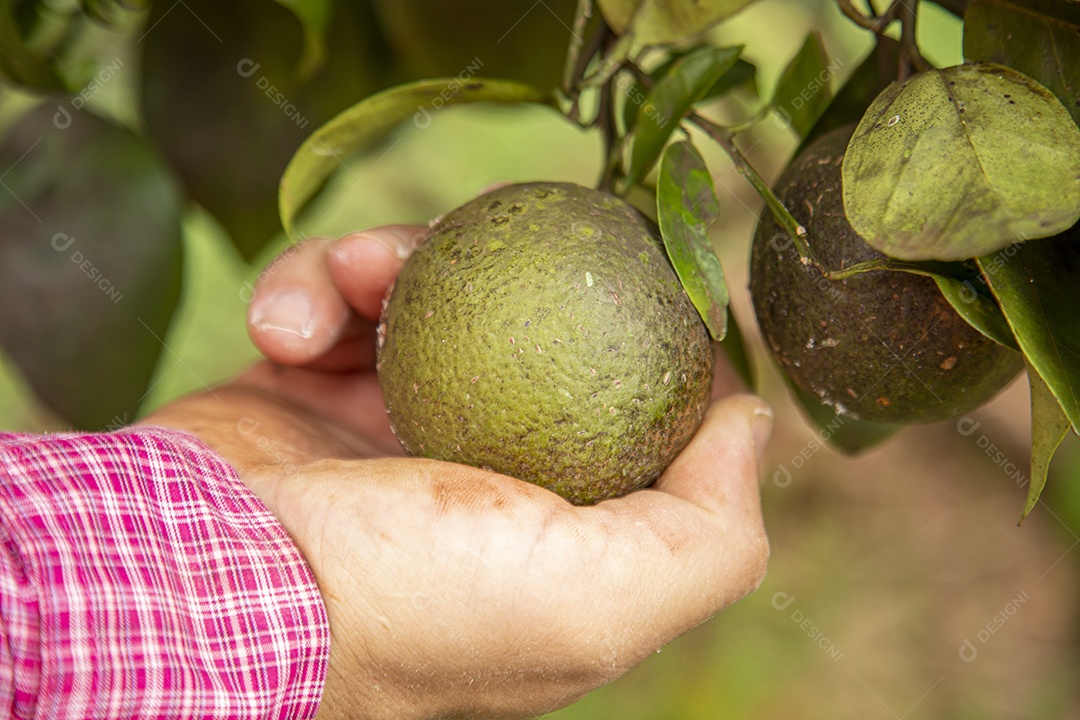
{"x":453,"y":591}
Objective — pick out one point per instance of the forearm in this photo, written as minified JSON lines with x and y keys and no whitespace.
{"x":256,"y":432}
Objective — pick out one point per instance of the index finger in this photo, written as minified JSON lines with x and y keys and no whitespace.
{"x":363,"y":265}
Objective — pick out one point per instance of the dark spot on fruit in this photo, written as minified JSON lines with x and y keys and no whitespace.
{"x":499,"y":220}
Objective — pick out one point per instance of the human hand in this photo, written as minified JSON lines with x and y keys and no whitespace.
{"x":453,"y":591}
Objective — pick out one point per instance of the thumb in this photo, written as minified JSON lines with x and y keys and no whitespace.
{"x":718,"y":471}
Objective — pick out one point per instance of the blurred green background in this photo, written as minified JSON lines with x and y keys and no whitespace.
{"x":899,"y":585}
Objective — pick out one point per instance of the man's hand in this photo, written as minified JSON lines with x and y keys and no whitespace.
{"x":453,"y":591}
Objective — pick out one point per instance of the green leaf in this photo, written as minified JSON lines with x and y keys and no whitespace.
{"x":734,"y":346}
{"x":221,"y":98}
{"x":803,"y":92}
{"x":970,"y":296}
{"x":1040,"y":40}
{"x":859,"y":90}
{"x":741,"y":75}
{"x":90,"y":254}
{"x":686,"y":205}
{"x":18,"y":63}
{"x":961,"y":162}
{"x":325,"y":150}
{"x":1049,"y":425}
{"x":843,"y":432}
{"x":313,"y":16}
{"x":658,"y":22}
{"x":511,"y":40}
{"x":1035,"y":284}
{"x":671,"y":99}
{"x":111,"y":12}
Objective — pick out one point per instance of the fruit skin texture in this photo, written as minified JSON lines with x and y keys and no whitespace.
{"x":540,"y":332}
{"x":883,"y":346}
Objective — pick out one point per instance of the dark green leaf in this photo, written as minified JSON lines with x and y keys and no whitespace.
{"x":956,"y":7}
{"x":671,"y":99}
{"x":970,"y":296}
{"x":871,"y":77}
{"x":845,"y":433}
{"x":90,"y":263}
{"x":803,"y":92}
{"x":742,"y":74}
{"x":18,"y":63}
{"x":686,"y":205}
{"x":111,"y":12}
{"x":960,"y":162}
{"x":512,"y":40}
{"x":314,"y":16}
{"x":324,"y":151}
{"x":1041,"y":41}
{"x":1035,"y":284}
{"x":1049,"y":426}
{"x":222,"y":99}
{"x":734,"y":346}
{"x":657,"y":22}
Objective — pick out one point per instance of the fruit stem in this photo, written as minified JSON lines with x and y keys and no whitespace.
{"x":605,"y":118}
{"x":577,"y":82}
{"x":610,"y":64}
{"x":926,"y":269}
{"x":909,"y":49}
{"x":875,"y":25}
{"x":725,"y":138}
{"x":577,"y":40}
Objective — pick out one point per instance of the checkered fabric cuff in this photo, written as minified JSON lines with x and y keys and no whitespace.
{"x":140,"y":578}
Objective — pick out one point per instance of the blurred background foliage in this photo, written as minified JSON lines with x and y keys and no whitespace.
{"x":899,"y":585}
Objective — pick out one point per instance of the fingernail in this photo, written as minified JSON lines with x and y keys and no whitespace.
{"x":287,"y":311}
{"x":762,"y":428}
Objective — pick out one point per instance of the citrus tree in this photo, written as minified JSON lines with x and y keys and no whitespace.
{"x":960,"y":184}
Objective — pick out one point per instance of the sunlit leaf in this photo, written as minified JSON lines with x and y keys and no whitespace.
{"x":843,"y":432}
{"x":327,"y":148}
{"x":803,"y":92}
{"x":90,"y":261}
{"x":1049,"y":425}
{"x":1041,"y":40}
{"x":671,"y":99}
{"x":686,"y":206}
{"x":656,"y":22}
{"x":960,"y":162}
{"x":1036,"y":286}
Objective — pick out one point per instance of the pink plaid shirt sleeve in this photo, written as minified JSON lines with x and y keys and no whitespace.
{"x":139,"y":578}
